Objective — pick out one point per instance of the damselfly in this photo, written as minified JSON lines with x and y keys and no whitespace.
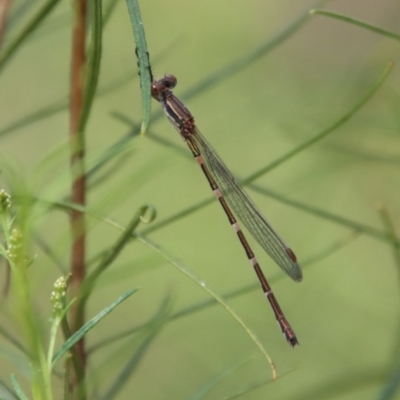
{"x":233,"y":199}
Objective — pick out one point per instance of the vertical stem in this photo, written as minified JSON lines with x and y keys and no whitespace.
{"x":79,"y":182}
{"x":5,"y":6}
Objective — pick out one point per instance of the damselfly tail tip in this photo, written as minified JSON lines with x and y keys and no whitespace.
{"x":292,"y":340}
{"x":288,"y":332}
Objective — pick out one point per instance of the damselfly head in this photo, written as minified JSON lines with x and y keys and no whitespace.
{"x":161,"y":88}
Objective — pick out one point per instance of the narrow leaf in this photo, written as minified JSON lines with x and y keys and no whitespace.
{"x":207,"y":387}
{"x":17,"y":388}
{"x":90,"y":324}
{"x":126,"y":374}
{"x":93,"y":67}
{"x":290,"y":154}
{"x":143,"y":61}
{"x":13,"y":46}
{"x":190,"y":274}
{"x":357,"y":22}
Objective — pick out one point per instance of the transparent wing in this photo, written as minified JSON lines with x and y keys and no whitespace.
{"x":246,"y":211}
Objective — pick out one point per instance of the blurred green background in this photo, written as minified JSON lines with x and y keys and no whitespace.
{"x":345,"y":312}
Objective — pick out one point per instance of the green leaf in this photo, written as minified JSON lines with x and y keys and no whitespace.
{"x":17,"y":388}
{"x":116,"y":249}
{"x":35,"y":21}
{"x":90,"y":324}
{"x":207,"y":387}
{"x":357,"y":22}
{"x":130,"y":367}
{"x":143,"y":61}
{"x":346,"y":222}
{"x":93,"y":65}
{"x":190,"y":274}
{"x":290,"y":154}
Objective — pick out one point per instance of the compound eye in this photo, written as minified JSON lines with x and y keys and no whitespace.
{"x":170,"y":81}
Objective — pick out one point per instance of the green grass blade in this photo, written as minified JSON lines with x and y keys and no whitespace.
{"x":185,"y":270}
{"x":250,"y":57}
{"x":297,"y":150}
{"x":161,"y":317}
{"x":190,"y":274}
{"x":17,"y":388}
{"x":126,"y":374}
{"x":13,"y":46}
{"x":34,"y":117}
{"x":207,"y":387}
{"x":227,"y":71}
{"x":62,"y":105}
{"x":367,"y":230}
{"x":248,"y":389}
{"x":90,"y":324}
{"x":315,"y":139}
{"x":203,"y":305}
{"x":5,"y":389}
{"x":143,"y":58}
{"x":357,"y":22}
{"x":93,"y":66}
{"x":120,"y":243}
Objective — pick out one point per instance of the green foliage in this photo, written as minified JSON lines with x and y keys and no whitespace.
{"x":313,"y":106}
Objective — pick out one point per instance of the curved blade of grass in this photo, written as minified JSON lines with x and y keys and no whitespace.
{"x":161,"y":316}
{"x":36,"y":116}
{"x":290,"y":154}
{"x":227,"y":71}
{"x":112,"y":151}
{"x":153,"y":329}
{"x":190,"y":274}
{"x":112,"y":170}
{"x":143,"y":61}
{"x":219,"y":76}
{"x":61,"y":105}
{"x":250,"y":57}
{"x":248,"y":389}
{"x":126,"y":374}
{"x":118,"y":246}
{"x":182,"y":268}
{"x":17,"y":388}
{"x":89,"y":325}
{"x":357,"y":22}
{"x":5,"y":388}
{"x":338,"y":123}
{"x":365,"y":229}
{"x":125,"y":119}
{"x":203,"y":305}
{"x":208,"y":387}
{"x":93,"y":65}
{"x":13,"y":46}
{"x":315,"y":258}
